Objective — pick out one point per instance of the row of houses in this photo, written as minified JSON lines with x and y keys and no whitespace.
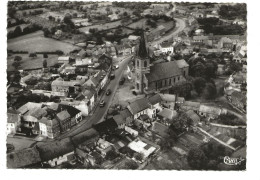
{"x":47,"y":120}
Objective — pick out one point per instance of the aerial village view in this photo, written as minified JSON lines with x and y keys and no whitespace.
{"x":126,"y":85}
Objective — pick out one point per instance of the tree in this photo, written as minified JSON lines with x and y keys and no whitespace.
{"x":199,"y":84}
{"x":16,"y":64}
{"x":108,"y":10}
{"x":211,"y":69}
{"x":33,"y":55}
{"x":198,"y":70}
{"x":125,"y":14}
{"x":131,"y":165}
{"x":44,"y":63}
{"x":46,"y":32}
{"x":17,"y":58}
{"x":197,"y":159}
{"x":17,"y":31}
{"x":209,"y":91}
{"x":50,"y":18}
{"x":45,"y":55}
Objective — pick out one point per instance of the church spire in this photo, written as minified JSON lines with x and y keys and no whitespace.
{"x":142,"y":52}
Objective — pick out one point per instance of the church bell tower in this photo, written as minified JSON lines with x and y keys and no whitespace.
{"x":142,"y":65}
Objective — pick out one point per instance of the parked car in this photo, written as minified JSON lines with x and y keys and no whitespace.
{"x":112,"y":76}
{"x":108,"y":92}
{"x":102,"y":103}
{"x":122,"y":81}
{"x":116,"y":66}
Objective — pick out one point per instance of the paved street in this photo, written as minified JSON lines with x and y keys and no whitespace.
{"x":99,"y":112}
{"x":180,"y":25}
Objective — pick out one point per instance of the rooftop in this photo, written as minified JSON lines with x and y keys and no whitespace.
{"x":163,"y":71}
{"x":138,"y":105}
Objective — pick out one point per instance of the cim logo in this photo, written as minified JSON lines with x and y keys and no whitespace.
{"x":233,"y":161}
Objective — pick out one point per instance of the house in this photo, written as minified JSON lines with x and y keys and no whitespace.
{"x":131,"y":131}
{"x":43,"y":126}
{"x":189,"y":105}
{"x":141,"y":147}
{"x":160,"y":129}
{"x":63,"y":59}
{"x":184,"y":67}
{"x":192,"y":21}
{"x":134,"y":39}
{"x":166,"y":47}
{"x":64,"y":88}
{"x":155,"y":102}
{"x":210,"y":111}
{"x":124,"y":49}
{"x":53,"y":128}
{"x":104,"y":147}
{"x":119,"y":119}
{"x":200,"y":40}
{"x":64,"y":119}
{"x":198,"y":14}
{"x":166,"y":116}
{"x":36,"y":129}
{"x":75,"y":114}
{"x":225,"y":43}
{"x":238,"y":100}
{"x":127,"y":116}
{"x":139,"y":107}
{"x":195,"y":119}
{"x":113,"y":17}
{"x":24,"y":158}
{"x":13,"y":121}
{"x":94,"y":158}
{"x":168,"y":101}
{"x":57,"y":152}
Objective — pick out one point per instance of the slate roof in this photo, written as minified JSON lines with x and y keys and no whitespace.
{"x":155,"y":99}
{"x":64,"y":83}
{"x":182,"y":63}
{"x":168,"y":97}
{"x":193,"y":116}
{"x":138,"y":105}
{"x":51,"y":150}
{"x":119,"y":119}
{"x":210,"y":109}
{"x":23,"y":158}
{"x":160,"y":129}
{"x":28,"y":106}
{"x":163,"y":71}
{"x":12,"y":116}
{"x":64,"y":58}
{"x":167,"y":113}
{"x":63,"y":115}
{"x":166,"y":44}
{"x":85,"y":136}
{"x":192,"y":104}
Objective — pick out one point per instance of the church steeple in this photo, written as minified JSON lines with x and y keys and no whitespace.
{"x":142,"y":52}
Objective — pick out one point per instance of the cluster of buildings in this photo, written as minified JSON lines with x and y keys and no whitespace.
{"x":47,"y":120}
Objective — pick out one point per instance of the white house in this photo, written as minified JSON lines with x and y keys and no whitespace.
{"x":43,"y":126}
{"x":13,"y":121}
{"x":139,"y":107}
{"x":166,"y":47}
{"x":155,"y":102}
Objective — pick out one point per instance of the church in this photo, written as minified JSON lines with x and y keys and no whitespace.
{"x":153,"y":78}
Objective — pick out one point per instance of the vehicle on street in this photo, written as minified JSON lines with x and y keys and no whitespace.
{"x":112,"y":76}
{"x":116,"y":66}
{"x":122,"y":81}
{"x":108,"y":92}
{"x":102,"y":103}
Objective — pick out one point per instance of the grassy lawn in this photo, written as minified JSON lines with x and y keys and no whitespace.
{"x":142,"y":23}
{"x":19,"y":143}
{"x":29,"y":63}
{"x":36,"y":42}
{"x":101,"y":27}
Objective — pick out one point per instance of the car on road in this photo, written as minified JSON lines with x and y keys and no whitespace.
{"x":108,"y":92}
{"x":116,"y":66}
{"x":102,"y":103}
{"x":112,"y":76}
{"x":122,"y":81}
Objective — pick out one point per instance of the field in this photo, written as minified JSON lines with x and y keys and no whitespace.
{"x":101,"y":26}
{"x":58,"y":14}
{"x":36,"y":42}
{"x":20,"y":12}
{"x":29,"y":63}
{"x":142,"y":24}
{"x":20,"y":143}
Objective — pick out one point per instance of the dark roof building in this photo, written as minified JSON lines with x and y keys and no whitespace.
{"x":138,"y":105}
